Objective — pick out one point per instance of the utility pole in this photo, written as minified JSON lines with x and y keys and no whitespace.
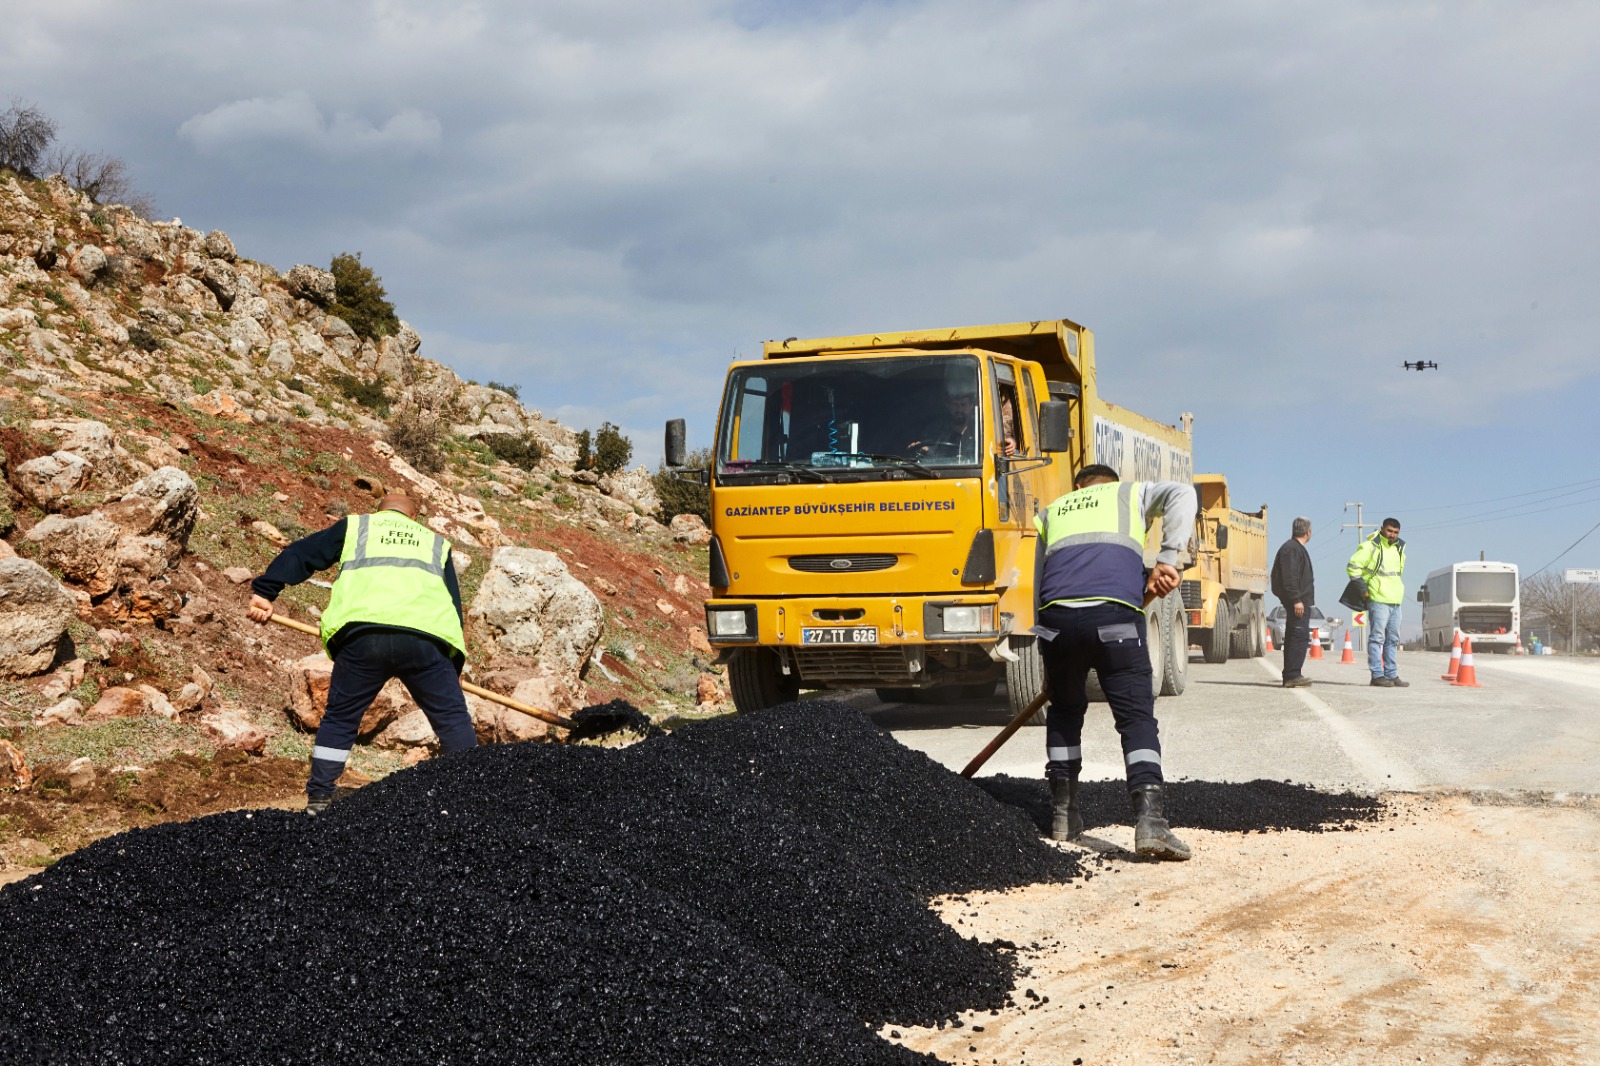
{"x":1359,"y":526}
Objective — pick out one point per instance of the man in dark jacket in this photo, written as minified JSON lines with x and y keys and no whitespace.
{"x":1294,"y":586}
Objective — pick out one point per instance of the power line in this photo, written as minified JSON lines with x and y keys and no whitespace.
{"x":1497,"y":499}
{"x":1491,"y":516}
{"x":1569,"y":547}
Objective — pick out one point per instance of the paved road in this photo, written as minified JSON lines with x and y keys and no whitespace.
{"x":1535,"y":724}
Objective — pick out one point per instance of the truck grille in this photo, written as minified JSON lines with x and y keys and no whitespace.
{"x":841,"y":564}
{"x":1191,"y":594}
{"x":863,"y":666}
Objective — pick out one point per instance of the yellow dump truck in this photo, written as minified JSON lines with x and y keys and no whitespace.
{"x":872,"y":504}
{"x":1222,"y":591}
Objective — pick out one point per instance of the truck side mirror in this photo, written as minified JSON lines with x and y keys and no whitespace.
{"x":1422,"y":595}
{"x":675,"y":450}
{"x":1222,"y":536}
{"x":1055,"y":426}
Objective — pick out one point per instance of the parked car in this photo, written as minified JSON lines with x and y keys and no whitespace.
{"x":1276,"y":616}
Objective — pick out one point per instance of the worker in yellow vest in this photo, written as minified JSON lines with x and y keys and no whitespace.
{"x":1092,"y":584}
{"x":395,"y":612}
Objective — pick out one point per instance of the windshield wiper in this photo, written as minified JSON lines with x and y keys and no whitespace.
{"x":799,"y":470}
{"x":898,"y":461}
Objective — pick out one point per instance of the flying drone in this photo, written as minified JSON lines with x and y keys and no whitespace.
{"x":1420,"y":365}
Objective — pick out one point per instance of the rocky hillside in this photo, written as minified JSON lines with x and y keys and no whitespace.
{"x":171,"y":413}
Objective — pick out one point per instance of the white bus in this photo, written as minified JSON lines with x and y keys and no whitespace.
{"x":1480,"y":599}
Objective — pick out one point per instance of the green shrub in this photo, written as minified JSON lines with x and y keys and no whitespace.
{"x":585,"y":451}
{"x":684,"y":497}
{"x":611,"y":449}
{"x":368,"y":394}
{"x":360,"y":299}
{"x":520,"y":450}
{"x":201,"y":385}
{"x":513,"y":391}
{"x":142,"y":339}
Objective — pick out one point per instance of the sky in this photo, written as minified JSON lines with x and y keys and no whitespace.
{"x":1261,"y":209}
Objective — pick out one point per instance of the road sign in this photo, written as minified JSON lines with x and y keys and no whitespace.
{"x":1584,"y":577}
{"x":1359,"y":619}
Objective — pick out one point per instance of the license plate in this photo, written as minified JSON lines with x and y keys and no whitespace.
{"x":839,"y":635}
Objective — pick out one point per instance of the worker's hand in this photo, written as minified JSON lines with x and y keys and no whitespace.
{"x":260,"y":610}
{"x":1299,"y":610}
{"x":1010,"y":446}
{"x":1163,"y":579}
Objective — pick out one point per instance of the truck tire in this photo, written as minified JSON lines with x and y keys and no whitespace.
{"x":1156,"y":639}
{"x":1258,"y":628}
{"x":1176,"y":677}
{"x":757,"y":682}
{"x":1025,"y":680}
{"x":1239,"y":641}
{"x":1217,"y":641}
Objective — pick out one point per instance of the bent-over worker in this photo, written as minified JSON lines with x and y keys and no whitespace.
{"x":1092,"y":584}
{"x":395,"y":612}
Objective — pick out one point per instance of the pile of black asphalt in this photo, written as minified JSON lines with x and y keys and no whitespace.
{"x":746,"y":890}
{"x":1244,"y":807}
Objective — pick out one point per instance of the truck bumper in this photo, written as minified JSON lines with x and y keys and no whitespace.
{"x":841,"y":642}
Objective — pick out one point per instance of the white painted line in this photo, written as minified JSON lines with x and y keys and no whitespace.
{"x":1383,"y":770}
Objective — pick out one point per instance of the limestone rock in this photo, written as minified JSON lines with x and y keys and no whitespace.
{"x":237,"y":574}
{"x":218,"y":246}
{"x":231,"y":728}
{"x":88,"y":264}
{"x":80,"y":773}
{"x":83,"y":549}
{"x":312,"y":284}
{"x":68,"y":711}
{"x":410,"y":730}
{"x":223,"y":281}
{"x":49,"y":481}
{"x":34,"y":612}
{"x":173,"y":505}
{"x":118,"y":702}
{"x":530,"y":604}
{"x":689,"y":529}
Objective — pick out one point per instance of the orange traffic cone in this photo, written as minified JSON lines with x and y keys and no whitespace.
{"x":1519,"y":649}
{"x":1349,"y":655}
{"x":1316,"y":643}
{"x":1269,"y":639}
{"x":1468,"y":677}
{"x":1455,"y":660}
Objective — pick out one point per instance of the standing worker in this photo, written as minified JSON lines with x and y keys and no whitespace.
{"x":1295,"y":586}
{"x":1381,"y":562}
{"x":395,"y":612}
{"x":1092,"y":584}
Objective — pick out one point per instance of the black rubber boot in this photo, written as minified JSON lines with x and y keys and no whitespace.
{"x":1151,"y":834}
{"x":1066,"y":820}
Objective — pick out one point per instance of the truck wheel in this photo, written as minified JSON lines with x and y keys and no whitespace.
{"x":1177,"y":659}
{"x":757,"y":682}
{"x":1258,"y":628}
{"x":1025,"y":680}
{"x":1239,"y":642}
{"x":1156,"y":639}
{"x":1217,"y":640}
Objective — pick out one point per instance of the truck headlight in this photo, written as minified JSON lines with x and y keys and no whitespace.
{"x":967,"y":619}
{"x":731,"y":623}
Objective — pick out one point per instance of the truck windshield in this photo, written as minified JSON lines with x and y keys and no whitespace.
{"x":1485,"y":587}
{"x":900,"y":415}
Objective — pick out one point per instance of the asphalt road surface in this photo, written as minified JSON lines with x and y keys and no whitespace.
{"x":1533,"y":725}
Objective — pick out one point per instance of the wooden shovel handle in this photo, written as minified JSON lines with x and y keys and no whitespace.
{"x":468,"y":686}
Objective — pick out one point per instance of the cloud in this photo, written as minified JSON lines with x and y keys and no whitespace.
{"x":248,"y":126}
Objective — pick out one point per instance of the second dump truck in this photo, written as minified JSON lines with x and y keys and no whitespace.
{"x":872,"y":504}
{"x":1223,"y":590}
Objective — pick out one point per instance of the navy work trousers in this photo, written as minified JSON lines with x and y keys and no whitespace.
{"x":1110,"y":639}
{"x":361,"y":669}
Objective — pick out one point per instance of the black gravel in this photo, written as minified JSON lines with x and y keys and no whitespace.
{"x":1253,"y":806}
{"x":741,"y":891}
{"x":604,"y":719}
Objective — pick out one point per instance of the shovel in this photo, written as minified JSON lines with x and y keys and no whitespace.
{"x":477,"y":690}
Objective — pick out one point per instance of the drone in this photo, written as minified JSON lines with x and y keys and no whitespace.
{"x":1420,"y":365}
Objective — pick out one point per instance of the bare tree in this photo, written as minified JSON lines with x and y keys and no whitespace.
{"x":103,"y":178}
{"x":25,"y":135}
{"x":1549,"y":599}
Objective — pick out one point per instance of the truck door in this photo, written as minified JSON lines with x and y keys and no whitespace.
{"x":1016,"y":430}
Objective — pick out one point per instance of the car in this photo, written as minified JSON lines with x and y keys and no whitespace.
{"x":1276,"y":617}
